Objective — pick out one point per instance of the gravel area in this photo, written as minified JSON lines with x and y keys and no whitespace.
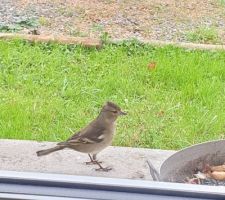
{"x":167,"y":20}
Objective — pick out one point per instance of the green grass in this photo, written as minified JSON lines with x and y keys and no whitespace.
{"x":221,"y":2}
{"x":20,"y":25}
{"x":43,"y":21}
{"x":47,"y":90}
{"x":203,"y":35}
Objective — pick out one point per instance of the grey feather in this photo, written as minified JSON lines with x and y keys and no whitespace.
{"x":89,"y":135}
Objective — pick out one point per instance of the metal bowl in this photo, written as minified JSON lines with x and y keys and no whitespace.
{"x":187,"y":161}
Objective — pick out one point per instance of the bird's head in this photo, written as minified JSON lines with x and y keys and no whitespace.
{"x":111,"y":110}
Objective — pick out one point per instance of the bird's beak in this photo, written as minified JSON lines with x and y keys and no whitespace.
{"x":123,"y":113}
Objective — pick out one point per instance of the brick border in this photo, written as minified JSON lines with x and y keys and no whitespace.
{"x":178,"y":44}
{"x":92,"y":42}
{"x":87,"y":42}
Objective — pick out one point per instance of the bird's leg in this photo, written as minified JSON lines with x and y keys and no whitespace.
{"x":93,"y":160}
{"x":94,"y":156}
{"x":105,"y":169}
{"x":90,"y":162}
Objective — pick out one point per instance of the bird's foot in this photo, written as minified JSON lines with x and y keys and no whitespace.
{"x":104,"y":169}
{"x":94,"y":162}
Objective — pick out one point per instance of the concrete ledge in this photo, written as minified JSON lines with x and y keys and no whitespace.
{"x":19,"y":155}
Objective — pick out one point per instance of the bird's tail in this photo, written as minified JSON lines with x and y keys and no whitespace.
{"x":48,"y":151}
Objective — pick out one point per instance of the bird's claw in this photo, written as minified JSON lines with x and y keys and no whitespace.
{"x":106,"y":169}
{"x":92,"y":162}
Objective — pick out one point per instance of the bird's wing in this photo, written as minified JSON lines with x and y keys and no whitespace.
{"x":74,"y":137}
{"x":89,"y":135}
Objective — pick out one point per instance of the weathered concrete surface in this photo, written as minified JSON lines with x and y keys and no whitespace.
{"x":17,"y":155}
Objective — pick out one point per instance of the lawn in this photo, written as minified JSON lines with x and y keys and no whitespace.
{"x":49,"y":90}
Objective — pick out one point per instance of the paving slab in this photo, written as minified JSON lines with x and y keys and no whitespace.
{"x":127,"y":162}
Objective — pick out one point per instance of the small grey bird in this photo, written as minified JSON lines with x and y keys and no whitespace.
{"x":94,"y":137}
